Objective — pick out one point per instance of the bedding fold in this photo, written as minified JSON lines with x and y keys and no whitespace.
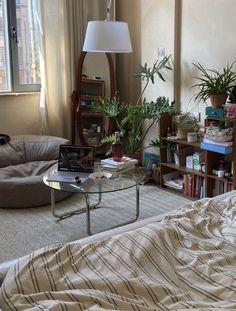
{"x":186,"y":261}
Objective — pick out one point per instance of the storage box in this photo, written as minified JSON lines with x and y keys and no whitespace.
{"x":189,"y":162}
{"x":197,"y":160}
{"x":215,"y":112}
{"x":217,"y":148}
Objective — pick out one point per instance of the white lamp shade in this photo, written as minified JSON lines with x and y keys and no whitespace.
{"x":107,"y":37}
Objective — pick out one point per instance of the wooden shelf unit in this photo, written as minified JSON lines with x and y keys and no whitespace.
{"x":213,"y":184}
{"x":85,"y":120}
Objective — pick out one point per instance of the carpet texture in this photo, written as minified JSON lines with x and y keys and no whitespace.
{"x":25,"y":230}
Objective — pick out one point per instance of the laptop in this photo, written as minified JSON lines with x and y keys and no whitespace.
{"x":73,"y":161}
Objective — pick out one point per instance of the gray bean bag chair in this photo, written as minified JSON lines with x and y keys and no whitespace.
{"x":23,"y":162}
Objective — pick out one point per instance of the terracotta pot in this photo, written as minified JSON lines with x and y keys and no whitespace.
{"x":217,"y":101}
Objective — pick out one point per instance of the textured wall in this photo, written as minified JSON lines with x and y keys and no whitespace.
{"x":157,"y":24}
{"x":208,"y":37}
{"x":19,"y":114}
{"x":130,"y":12}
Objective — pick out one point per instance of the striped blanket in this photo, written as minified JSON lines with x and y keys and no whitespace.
{"x":186,"y":261}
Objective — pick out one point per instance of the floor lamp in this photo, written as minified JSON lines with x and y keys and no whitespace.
{"x":103,"y":37}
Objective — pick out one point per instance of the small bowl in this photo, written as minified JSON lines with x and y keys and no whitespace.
{"x":100,"y":176}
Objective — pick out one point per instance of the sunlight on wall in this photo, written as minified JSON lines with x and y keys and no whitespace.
{"x":208,"y":37}
{"x":157,"y":26}
{"x":19,"y":114}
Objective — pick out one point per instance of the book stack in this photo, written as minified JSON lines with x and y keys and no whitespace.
{"x":194,"y":185}
{"x":216,"y":146}
{"x":117,"y":168}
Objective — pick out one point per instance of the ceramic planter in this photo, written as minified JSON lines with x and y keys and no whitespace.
{"x":217,"y":101}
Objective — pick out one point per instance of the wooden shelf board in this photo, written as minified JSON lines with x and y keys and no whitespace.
{"x":89,"y":97}
{"x":183,"y":169}
{"x":219,"y":178}
{"x":194,"y":198}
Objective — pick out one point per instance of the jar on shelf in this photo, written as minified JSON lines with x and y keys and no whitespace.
{"x":221,"y":169}
{"x":168,"y":134}
{"x":192,"y":137}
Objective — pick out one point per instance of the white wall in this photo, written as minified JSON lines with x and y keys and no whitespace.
{"x":208,"y":37}
{"x":127,"y":63}
{"x":19,"y":114}
{"x":157,"y":26}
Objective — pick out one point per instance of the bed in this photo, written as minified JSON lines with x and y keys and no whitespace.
{"x":184,"y":261}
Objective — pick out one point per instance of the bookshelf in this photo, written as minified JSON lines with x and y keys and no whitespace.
{"x":202,"y":182}
{"x":91,"y":126}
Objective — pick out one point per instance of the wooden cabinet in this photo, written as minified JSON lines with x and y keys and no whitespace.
{"x":197,"y":183}
{"x":91,"y":127}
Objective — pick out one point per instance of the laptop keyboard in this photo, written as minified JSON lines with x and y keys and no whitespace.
{"x":67,"y":176}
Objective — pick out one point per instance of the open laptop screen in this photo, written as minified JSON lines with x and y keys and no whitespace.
{"x":74,"y":158}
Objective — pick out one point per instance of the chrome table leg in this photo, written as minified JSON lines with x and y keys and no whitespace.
{"x":90,"y":206}
{"x":60,"y":216}
{"x":136,"y":214}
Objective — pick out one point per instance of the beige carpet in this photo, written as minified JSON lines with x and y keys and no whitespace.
{"x":25,"y":230}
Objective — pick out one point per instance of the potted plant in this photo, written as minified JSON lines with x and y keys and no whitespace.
{"x":215,"y":85}
{"x":130,"y":117}
{"x":185,"y":124}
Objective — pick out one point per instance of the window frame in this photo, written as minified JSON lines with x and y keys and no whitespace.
{"x":15,"y":85}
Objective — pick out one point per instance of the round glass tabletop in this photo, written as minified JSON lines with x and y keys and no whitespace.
{"x":125,"y":180}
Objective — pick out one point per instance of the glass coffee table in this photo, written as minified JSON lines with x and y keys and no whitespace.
{"x":130,"y":179}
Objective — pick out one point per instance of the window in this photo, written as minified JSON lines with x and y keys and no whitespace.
{"x":19,"y":46}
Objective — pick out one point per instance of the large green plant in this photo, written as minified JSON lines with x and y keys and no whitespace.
{"x":213,"y":82}
{"x":130,"y":117}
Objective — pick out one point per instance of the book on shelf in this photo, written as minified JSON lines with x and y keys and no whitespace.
{"x":193,"y":185}
{"x":221,"y":187}
{"x":188,"y":186}
{"x":202,"y":189}
{"x":196,"y":185}
{"x":185,"y":184}
{"x":126,"y":162}
{"x":181,"y":153}
{"x":184,"y":152}
{"x":176,"y":158}
{"x":151,"y":160}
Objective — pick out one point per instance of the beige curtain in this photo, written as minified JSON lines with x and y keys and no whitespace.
{"x":62,"y":25}
{"x":62,"y":29}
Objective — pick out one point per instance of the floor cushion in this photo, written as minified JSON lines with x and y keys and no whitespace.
{"x":23,"y":163}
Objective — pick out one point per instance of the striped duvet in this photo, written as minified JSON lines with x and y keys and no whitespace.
{"x":187,"y":261}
